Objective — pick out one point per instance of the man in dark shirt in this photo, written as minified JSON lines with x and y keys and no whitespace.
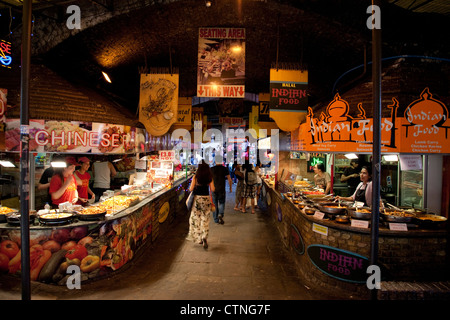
{"x":220,"y":173}
{"x":351,"y":176}
{"x":44,"y":183}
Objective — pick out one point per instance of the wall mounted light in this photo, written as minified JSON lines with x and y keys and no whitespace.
{"x":107,"y":78}
{"x":208,"y":3}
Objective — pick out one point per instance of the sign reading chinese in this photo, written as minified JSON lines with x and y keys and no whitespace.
{"x":221,"y":63}
{"x":5,"y":54}
{"x":75,"y":137}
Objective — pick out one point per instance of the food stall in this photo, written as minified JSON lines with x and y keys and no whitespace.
{"x":330,"y":240}
{"x":99,"y":238}
{"x":102,"y":237}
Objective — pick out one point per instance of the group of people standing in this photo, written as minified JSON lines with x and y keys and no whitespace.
{"x":209,"y":188}
{"x":69,"y":184}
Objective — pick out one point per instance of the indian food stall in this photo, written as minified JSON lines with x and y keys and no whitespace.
{"x":330,"y":239}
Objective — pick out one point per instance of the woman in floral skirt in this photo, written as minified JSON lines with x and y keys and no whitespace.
{"x":202,"y":184}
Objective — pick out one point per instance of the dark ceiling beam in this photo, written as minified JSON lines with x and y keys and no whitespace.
{"x":109,"y":6}
{"x":419,"y":5}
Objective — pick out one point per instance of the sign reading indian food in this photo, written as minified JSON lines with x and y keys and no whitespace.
{"x":221,"y":63}
{"x":340,"y":264}
{"x":288,"y":97}
{"x":424,"y":128}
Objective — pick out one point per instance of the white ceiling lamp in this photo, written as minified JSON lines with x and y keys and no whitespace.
{"x":58,"y":164}
{"x":107,"y":78}
{"x":351,"y":156}
{"x":7,"y":164}
{"x":390,"y":157}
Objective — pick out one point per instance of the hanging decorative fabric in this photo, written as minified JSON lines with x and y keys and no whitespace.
{"x":158,"y":102}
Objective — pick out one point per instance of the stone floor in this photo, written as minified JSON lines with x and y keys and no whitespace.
{"x":245,"y":261}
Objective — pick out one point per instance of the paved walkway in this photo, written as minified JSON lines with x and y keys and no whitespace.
{"x":245,"y":261}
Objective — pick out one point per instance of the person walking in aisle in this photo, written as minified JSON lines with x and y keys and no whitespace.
{"x":202,"y":184}
{"x":250,"y":180}
{"x":239,"y":187}
{"x":220,"y":173}
{"x":258,"y":183}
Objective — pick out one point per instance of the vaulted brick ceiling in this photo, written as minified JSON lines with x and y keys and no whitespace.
{"x":122,"y":37}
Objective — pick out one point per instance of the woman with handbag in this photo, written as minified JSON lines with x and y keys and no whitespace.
{"x":201,"y":186}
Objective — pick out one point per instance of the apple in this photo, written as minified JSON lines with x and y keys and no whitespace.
{"x":85,"y":241}
{"x":51,"y":245}
{"x":78,"y":233}
{"x":60,"y":235}
{"x":69,"y":245}
{"x":9,"y":248}
{"x":4,"y":260}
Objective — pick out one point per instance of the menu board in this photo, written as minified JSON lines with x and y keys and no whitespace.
{"x":160,"y":172}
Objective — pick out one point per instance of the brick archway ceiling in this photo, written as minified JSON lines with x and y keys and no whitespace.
{"x":328,"y":39}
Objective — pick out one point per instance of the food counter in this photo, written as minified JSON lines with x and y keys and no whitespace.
{"x":335,"y":255}
{"x":98,"y":243}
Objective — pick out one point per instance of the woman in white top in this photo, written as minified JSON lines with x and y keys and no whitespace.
{"x":363,"y":191}
{"x":103,"y":172}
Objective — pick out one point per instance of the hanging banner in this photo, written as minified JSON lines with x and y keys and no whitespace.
{"x":184,"y":111}
{"x":158,"y":102}
{"x":425,"y":128}
{"x":288,"y":97}
{"x":221,"y":63}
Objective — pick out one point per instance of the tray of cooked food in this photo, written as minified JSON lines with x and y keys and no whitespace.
{"x":332,"y":208}
{"x":121,"y":200}
{"x":363,"y":213}
{"x":395,"y":215}
{"x":309,"y":210}
{"x":430,"y":220}
{"x":342,"y":218}
{"x":56,"y":217}
{"x":91,"y":213}
{"x":13,"y":218}
{"x":4,"y":211}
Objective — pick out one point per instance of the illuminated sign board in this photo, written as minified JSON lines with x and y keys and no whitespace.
{"x":5,"y":54}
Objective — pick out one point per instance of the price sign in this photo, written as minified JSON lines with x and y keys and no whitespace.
{"x":166,"y":155}
{"x":360,"y":223}
{"x":398,"y":226}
